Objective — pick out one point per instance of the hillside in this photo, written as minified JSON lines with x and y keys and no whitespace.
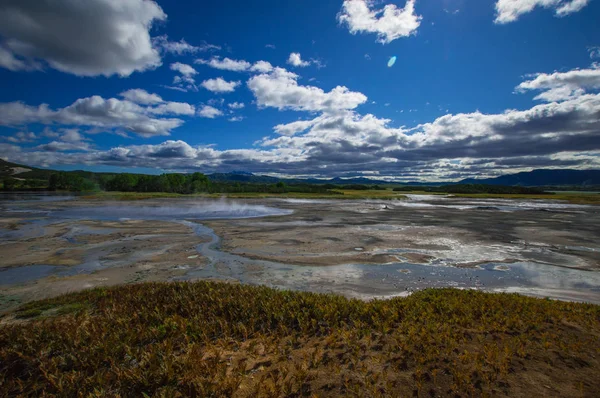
{"x":8,"y":169}
{"x":543,"y":177}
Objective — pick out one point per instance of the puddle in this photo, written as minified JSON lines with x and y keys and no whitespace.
{"x":19,"y":275}
{"x":199,"y":210}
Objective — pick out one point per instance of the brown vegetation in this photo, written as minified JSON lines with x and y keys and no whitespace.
{"x":214,"y":339}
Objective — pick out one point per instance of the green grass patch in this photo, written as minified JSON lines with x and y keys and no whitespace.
{"x":334,"y":194}
{"x":216,"y":339}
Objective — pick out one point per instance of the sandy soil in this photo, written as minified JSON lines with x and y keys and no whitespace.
{"x":333,"y":233}
{"x":123,"y":252}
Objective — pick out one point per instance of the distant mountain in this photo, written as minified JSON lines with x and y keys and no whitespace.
{"x":535,"y":178}
{"x":237,"y":176}
{"x":542,"y":177}
{"x":242,"y":177}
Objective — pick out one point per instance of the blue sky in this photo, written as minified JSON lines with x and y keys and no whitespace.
{"x":480,"y":88}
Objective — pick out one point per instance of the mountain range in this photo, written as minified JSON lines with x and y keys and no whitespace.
{"x":539,"y":177}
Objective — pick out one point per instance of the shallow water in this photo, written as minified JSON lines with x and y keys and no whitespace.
{"x":395,"y":279}
{"x":353,"y":280}
{"x":19,"y":275}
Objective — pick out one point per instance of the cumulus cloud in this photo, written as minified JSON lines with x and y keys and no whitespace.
{"x":261,"y":67}
{"x":339,"y":141}
{"x":173,"y":108}
{"x":225,"y":64}
{"x":346,"y":143}
{"x":236,"y":105}
{"x":280,"y":89}
{"x":510,"y":10}
{"x":184,"y":69}
{"x":91,"y":38}
{"x":236,"y":118}
{"x":140,"y":96}
{"x":560,"y":86}
{"x":236,"y":65}
{"x":209,"y":112}
{"x":292,"y":128}
{"x":185,"y":81}
{"x":95,"y":111}
{"x":21,"y":137}
{"x":181,"y":47}
{"x":219,"y":85}
{"x":70,"y":139}
{"x":296,"y":60}
{"x":9,"y":61}
{"x":389,"y":23}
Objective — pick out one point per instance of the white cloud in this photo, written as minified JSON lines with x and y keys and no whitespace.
{"x":71,"y":135}
{"x":108,"y":114}
{"x":219,"y":85}
{"x":261,"y":67}
{"x":346,"y":144}
{"x":271,"y":46}
{"x":337,"y":141}
{"x":140,"y":96}
{"x":236,"y":105}
{"x":209,"y":112}
{"x":389,"y":23}
{"x":293,"y":128}
{"x":181,"y":47}
{"x":594,"y":52}
{"x":184,"y":69}
{"x":560,"y":86}
{"x":236,"y":119}
{"x":279,"y":89}
{"x":10,"y":62}
{"x":61,"y":146}
{"x":21,"y":137}
{"x":186,"y":81}
{"x":69,"y":140}
{"x":225,"y":64}
{"x":173,"y":108}
{"x":236,"y":65}
{"x":510,"y":10}
{"x":91,"y":38}
{"x":296,"y":60}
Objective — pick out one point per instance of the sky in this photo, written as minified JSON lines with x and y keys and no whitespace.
{"x":303,"y":88}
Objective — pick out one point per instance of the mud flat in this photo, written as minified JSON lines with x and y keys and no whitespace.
{"x":362,"y":249}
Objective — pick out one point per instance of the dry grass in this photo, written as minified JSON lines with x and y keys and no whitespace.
{"x":575,"y":198}
{"x":213,"y":339}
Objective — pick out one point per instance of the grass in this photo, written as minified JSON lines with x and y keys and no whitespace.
{"x":575,"y":198}
{"x":337,"y":194}
{"x":215,"y":339}
{"x":102,"y":195}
